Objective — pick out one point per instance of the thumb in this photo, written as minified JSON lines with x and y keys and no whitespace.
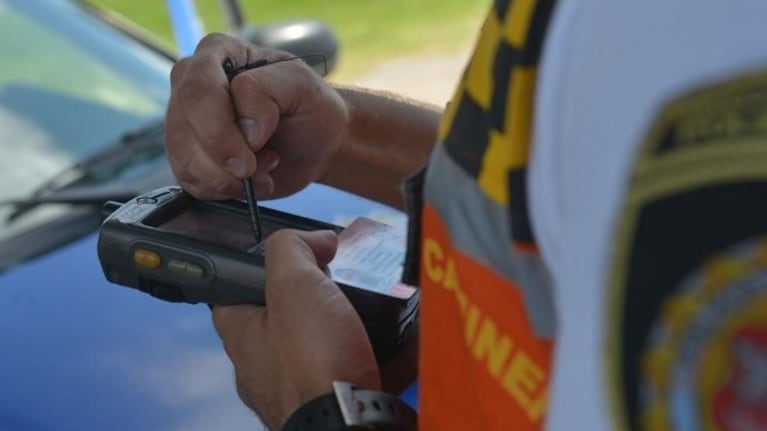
{"x":318,"y":247}
{"x":323,"y":244}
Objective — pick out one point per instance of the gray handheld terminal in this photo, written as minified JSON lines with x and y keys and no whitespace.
{"x":180,"y":249}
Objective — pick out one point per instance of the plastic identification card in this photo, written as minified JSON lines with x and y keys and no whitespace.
{"x":370,"y":256}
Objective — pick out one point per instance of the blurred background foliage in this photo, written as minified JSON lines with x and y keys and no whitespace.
{"x":370,"y":31}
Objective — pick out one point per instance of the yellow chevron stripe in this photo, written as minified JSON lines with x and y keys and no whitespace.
{"x":479,"y":76}
{"x":517,"y":22}
{"x":511,"y":149}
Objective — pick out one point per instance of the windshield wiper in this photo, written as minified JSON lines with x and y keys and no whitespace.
{"x":88,"y":195}
{"x":145,"y":143}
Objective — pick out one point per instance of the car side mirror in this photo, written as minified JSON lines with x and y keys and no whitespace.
{"x":300,"y":38}
{"x":310,"y":38}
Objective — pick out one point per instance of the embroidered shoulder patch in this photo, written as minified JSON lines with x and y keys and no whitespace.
{"x":687,"y":315}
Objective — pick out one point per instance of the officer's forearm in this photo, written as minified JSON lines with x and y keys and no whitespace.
{"x":389,"y":138}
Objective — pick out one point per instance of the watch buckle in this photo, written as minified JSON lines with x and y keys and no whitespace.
{"x":351,"y":409}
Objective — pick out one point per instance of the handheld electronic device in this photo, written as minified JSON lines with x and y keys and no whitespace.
{"x":177,"y":248}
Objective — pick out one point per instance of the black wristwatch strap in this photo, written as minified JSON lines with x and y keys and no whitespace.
{"x":349,"y":408}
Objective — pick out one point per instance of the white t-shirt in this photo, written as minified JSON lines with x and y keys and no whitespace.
{"x":607,"y":68}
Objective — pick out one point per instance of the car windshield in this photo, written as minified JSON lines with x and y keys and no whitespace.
{"x":70,"y":84}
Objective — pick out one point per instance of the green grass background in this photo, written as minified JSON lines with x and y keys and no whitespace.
{"x":370,"y":31}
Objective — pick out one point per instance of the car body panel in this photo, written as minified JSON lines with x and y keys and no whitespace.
{"x":81,"y":353}
{"x":76,"y":352}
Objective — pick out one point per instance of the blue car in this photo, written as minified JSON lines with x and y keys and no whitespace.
{"x":81,"y":109}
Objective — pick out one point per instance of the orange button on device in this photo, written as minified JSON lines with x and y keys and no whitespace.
{"x":147,"y":258}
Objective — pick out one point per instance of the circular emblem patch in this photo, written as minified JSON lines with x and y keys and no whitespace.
{"x":705,"y":362}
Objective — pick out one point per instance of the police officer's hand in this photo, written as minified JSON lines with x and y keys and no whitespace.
{"x":281,"y":122}
{"x":308,"y":335}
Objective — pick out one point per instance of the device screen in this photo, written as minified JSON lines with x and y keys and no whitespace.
{"x":217,"y":226}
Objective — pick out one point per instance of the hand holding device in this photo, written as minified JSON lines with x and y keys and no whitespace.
{"x":180,"y":249}
{"x":309,"y":334}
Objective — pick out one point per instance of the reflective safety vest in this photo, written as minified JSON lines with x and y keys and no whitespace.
{"x":487,"y":316}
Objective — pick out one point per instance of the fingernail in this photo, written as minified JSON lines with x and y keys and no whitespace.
{"x":271,"y":162}
{"x":251,"y":130}
{"x":260,"y":177}
{"x":263,"y":185}
{"x":236,"y":167}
